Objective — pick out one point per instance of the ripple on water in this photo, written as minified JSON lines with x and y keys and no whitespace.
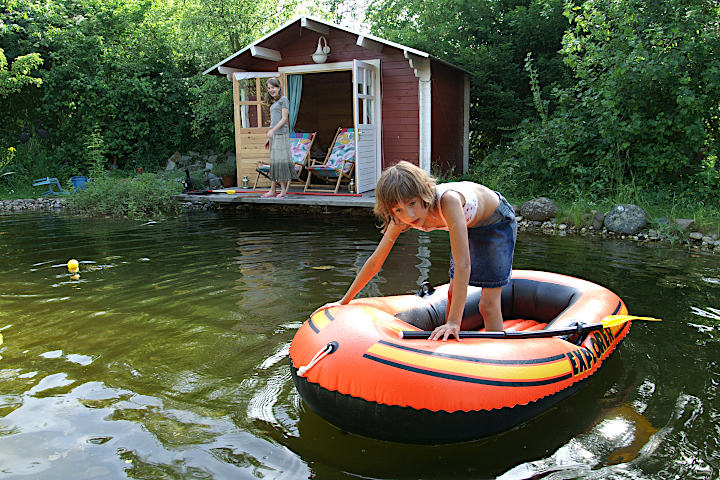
{"x":622,"y":445}
{"x":167,"y":357}
{"x":117,"y":433}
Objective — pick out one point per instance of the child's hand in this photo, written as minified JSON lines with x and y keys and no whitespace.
{"x":327,"y":305}
{"x":445,"y":331}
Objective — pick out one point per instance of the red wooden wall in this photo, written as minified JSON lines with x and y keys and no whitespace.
{"x":325,"y":93}
{"x":448,"y":96}
{"x":400,"y":110}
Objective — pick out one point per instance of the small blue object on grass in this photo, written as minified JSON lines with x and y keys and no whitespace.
{"x":79,"y":182}
{"x":51,"y":183}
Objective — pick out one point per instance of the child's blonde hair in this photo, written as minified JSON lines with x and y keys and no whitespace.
{"x":398,"y":184}
{"x":269,"y":99}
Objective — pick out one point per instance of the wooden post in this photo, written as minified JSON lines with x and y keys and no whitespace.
{"x":238,"y":124}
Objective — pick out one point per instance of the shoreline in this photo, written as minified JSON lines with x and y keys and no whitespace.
{"x":694,"y":241}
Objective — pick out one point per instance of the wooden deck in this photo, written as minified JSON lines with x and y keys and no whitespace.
{"x":233,"y":197}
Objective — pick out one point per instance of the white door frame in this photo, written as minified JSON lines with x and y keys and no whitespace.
{"x":345,"y":66}
{"x":366,"y":115}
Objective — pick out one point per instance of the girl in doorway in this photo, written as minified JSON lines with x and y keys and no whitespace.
{"x":482,"y":228}
{"x":282,"y":168}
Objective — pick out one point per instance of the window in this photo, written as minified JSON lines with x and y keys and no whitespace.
{"x":254,"y":113}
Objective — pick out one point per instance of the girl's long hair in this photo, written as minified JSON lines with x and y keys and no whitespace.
{"x":269,"y":99}
{"x":398,"y":184}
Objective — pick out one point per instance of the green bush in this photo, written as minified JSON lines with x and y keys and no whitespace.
{"x":144,"y":196}
{"x":199,"y":180}
{"x":225,"y":169}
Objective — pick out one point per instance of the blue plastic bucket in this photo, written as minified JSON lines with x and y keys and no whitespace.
{"x":79,"y":182}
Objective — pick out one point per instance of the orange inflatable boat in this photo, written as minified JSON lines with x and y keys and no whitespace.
{"x":356,"y":366}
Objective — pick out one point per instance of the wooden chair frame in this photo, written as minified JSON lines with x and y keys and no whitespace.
{"x":341,"y":173}
{"x":303,"y":165}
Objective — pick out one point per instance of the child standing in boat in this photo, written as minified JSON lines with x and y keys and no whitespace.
{"x":482,"y":228}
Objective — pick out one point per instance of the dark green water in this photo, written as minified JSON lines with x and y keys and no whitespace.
{"x":167,"y":358}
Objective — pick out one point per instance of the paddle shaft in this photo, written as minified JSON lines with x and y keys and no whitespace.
{"x":419,"y":335}
{"x":607,"y":322}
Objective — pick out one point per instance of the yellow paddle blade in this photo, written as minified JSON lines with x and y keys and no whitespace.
{"x":615,"y":320}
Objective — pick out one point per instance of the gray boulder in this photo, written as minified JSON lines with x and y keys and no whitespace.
{"x":598,"y":220}
{"x":214,"y":181}
{"x":539,"y":209}
{"x":627,"y":219}
{"x":173,"y":161}
{"x":684,"y":223}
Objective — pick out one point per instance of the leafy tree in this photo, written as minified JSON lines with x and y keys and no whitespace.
{"x":13,"y":80}
{"x":489,"y":39}
{"x":340,"y":12}
{"x":231,"y":25}
{"x":128,"y":72}
{"x":108,"y":67}
{"x":649,"y":70}
{"x":645,"y":106}
{"x":213,"y":32}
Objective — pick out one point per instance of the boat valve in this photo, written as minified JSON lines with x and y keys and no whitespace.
{"x":426,"y":289}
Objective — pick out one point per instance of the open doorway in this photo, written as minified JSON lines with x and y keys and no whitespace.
{"x":325,"y":105}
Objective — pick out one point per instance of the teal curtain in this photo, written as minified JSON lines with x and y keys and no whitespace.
{"x":294,"y":94}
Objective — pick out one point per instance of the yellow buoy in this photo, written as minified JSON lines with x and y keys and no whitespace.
{"x":73,"y":266}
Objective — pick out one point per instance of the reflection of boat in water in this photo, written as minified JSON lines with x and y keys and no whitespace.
{"x":626,"y":424}
{"x":620,"y":445}
{"x":350,"y":366}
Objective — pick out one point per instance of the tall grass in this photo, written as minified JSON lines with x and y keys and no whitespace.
{"x":141,"y":197}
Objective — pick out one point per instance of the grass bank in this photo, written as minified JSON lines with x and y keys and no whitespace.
{"x":663,"y":204}
{"x":147,"y":195}
{"x":117,"y":194}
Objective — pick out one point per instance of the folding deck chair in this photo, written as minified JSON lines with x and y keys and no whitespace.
{"x":338,"y":165}
{"x":300,"y":145}
{"x":50,"y":182}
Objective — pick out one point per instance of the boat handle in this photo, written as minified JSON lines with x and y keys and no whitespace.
{"x":326,"y":350}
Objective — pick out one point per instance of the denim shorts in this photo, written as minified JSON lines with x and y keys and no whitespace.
{"x":492,"y":244}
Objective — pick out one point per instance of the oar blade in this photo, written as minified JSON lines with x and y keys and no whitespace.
{"x":615,"y":320}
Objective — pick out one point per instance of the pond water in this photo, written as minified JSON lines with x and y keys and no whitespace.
{"x":167,"y":357}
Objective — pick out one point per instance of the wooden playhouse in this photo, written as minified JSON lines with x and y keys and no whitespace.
{"x":403,"y":104}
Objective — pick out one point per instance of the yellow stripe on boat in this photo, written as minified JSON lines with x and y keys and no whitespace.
{"x":474,"y":367}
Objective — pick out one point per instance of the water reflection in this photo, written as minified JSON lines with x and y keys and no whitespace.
{"x":617,"y":447}
{"x":167,"y":358}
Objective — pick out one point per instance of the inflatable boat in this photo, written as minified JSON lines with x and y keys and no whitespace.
{"x":369,"y":369}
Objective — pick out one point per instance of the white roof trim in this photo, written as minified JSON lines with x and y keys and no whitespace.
{"x":228,"y":70}
{"x":311,"y":24}
{"x":265,"y":53}
{"x":308,"y":19}
{"x":373,"y":45}
{"x":246,"y":75}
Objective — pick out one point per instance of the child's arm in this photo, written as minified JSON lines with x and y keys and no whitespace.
{"x":371,"y":267}
{"x":452,"y":209}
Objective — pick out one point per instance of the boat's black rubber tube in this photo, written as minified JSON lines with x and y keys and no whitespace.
{"x":521,"y":299}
